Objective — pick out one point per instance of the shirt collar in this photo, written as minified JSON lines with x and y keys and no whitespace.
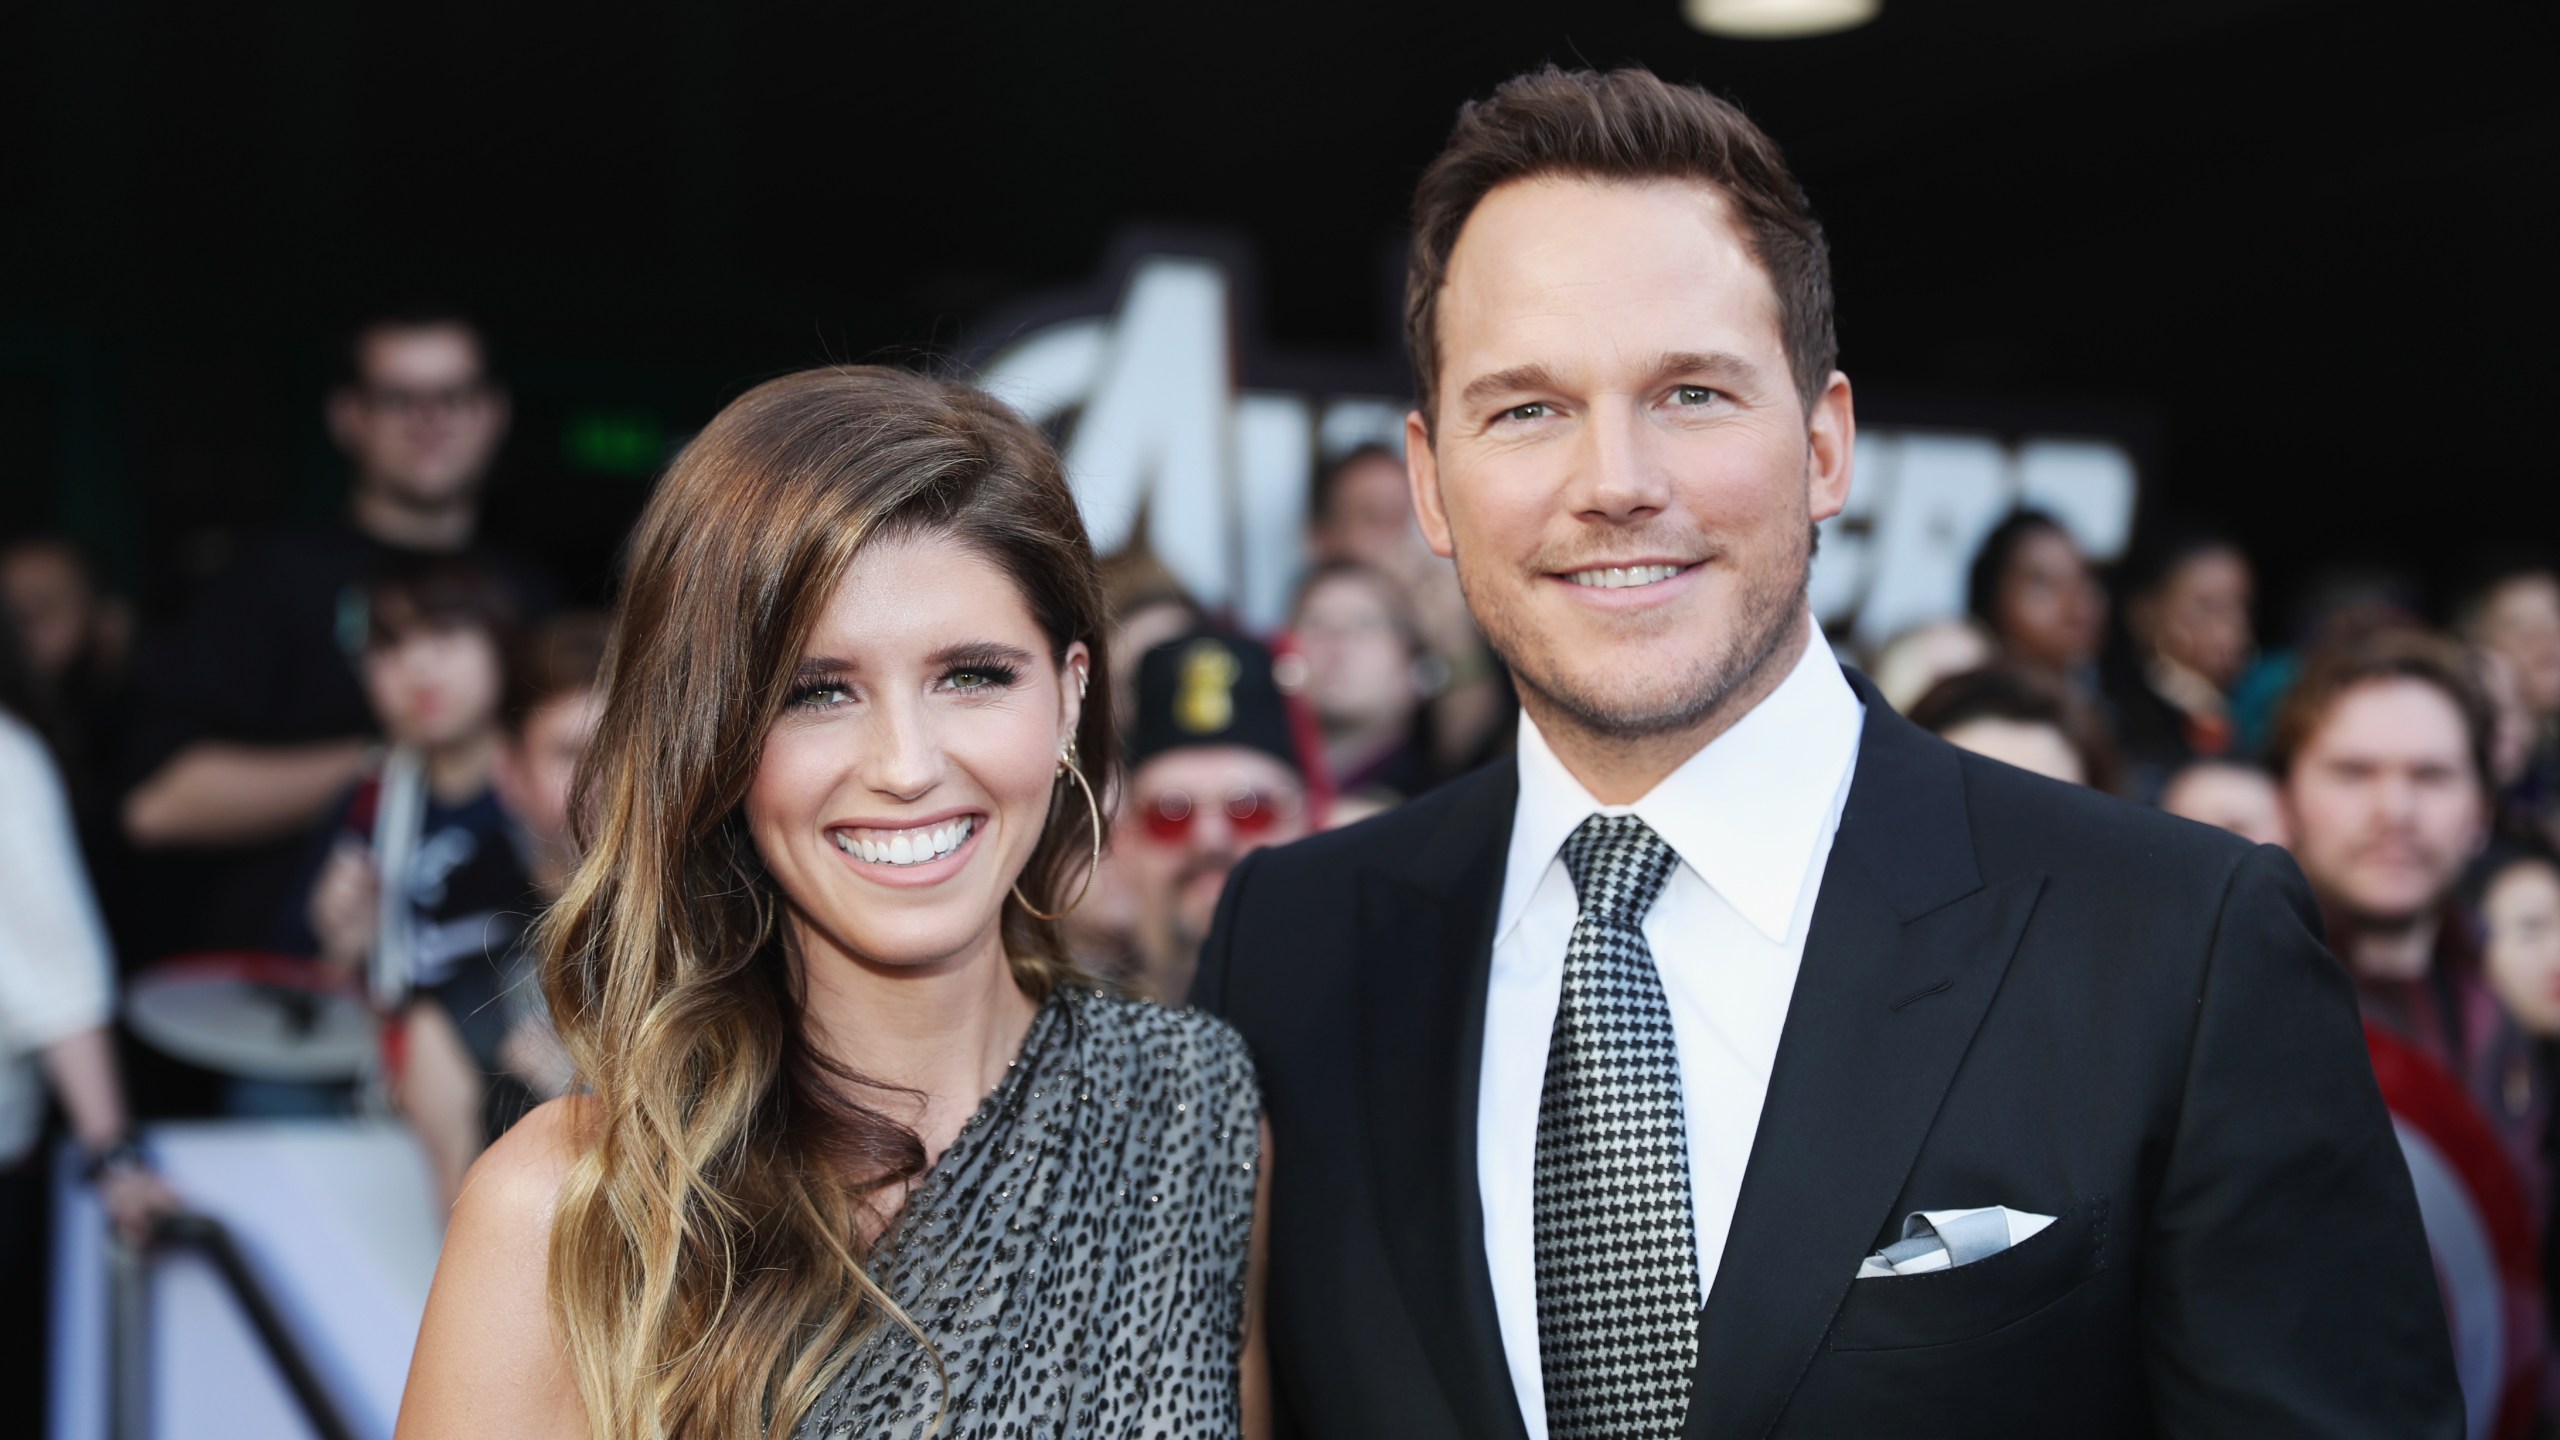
{"x":1744,"y":813}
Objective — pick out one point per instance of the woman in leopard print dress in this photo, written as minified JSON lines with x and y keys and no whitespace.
{"x":858,"y":1152}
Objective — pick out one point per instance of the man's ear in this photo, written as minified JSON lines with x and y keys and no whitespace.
{"x":1831,"y":448}
{"x":1422,"y":472}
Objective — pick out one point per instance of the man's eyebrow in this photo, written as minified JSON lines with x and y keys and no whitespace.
{"x":1718,"y":364}
{"x":1507,"y":382}
{"x":1713,"y":364}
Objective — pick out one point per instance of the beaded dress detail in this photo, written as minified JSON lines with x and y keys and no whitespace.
{"x":1077,"y":1257}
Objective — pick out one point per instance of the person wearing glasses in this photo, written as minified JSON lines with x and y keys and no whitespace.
{"x":1214,"y":773}
{"x":250,"y":721}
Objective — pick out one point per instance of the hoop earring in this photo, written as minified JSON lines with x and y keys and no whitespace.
{"x":1068,"y":767}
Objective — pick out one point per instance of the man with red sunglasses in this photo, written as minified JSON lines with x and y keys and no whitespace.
{"x":1214,"y":773}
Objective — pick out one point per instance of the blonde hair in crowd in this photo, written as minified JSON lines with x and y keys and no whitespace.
{"x":708,"y":1261}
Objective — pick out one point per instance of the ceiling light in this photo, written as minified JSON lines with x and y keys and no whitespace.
{"x":1778,"y":19}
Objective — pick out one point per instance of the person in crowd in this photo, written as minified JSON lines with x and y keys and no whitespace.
{"x":2339,"y":604}
{"x":420,"y":884}
{"x":1601,"y":1076}
{"x":1215,"y":772}
{"x":2520,"y":922}
{"x":77,"y":636}
{"x":2518,"y":902}
{"x":1360,"y":515}
{"x":2233,"y":795}
{"x":2021,"y":716}
{"x":1364,"y":657}
{"x":76,"y":632}
{"x":1147,"y":606}
{"x":2383,"y":752}
{"x":2515,"y":611}
{"x":2031,"y":586}
{"x":1919,"y":656}
{"x":2187,"y":605}
{"x":809,"y":966}
{"x":2521,"y":817}
{"x":251,"y":720}
{"x":484,"y":1053}
{"x":2513,"y":615}
{"x":57,"y":987}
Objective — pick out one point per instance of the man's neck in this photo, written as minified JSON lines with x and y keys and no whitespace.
{"x":1622,"y":769}
{"x":1166,"y":960}
{"x":2397,"y":950}
{"x":404,"y":525}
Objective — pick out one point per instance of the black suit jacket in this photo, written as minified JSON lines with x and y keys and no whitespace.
{"x":2013,"y":993}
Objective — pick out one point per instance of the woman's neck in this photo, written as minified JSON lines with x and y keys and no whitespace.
{"x":944,"y":1032}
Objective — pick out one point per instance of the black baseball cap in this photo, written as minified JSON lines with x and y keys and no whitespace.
{"x":1210,"y":688}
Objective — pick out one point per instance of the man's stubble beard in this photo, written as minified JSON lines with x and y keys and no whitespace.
{"x":1765,"y":621}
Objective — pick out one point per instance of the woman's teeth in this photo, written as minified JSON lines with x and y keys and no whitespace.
{"x":1622,"y":577}
{"x":906,"y":847}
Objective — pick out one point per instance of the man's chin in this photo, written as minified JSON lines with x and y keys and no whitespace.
{"x":2392,"y":914}
{"x":1195,"y":906}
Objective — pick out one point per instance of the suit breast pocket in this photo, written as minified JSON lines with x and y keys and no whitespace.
{"x":1944,"y":1307}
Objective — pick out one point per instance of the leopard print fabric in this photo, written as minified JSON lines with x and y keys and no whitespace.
{"x":1076,"y":1259}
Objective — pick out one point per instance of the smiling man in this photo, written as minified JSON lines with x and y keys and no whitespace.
{"x":1741,"y":1061}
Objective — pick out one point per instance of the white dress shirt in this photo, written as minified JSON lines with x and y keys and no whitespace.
{"x":55,"y":976}
{"x":1752,"y":816}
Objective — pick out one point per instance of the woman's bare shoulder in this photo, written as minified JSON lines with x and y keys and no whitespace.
{"x":488,"y":1363}
{"x":516,"y":1182}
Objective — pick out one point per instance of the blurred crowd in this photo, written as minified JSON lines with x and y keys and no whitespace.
{"x":349,"y":756}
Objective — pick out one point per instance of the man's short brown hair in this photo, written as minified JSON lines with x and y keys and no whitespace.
{"x":2401,"y":652}
{"x":1623,"y":125}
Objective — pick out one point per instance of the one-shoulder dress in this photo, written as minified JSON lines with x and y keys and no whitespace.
{"x":1076,"y":1259}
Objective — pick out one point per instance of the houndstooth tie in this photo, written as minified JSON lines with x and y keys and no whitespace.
{"x":1617,"y":1250}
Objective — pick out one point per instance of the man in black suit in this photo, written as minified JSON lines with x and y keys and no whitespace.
{"x":1742,"y":1061}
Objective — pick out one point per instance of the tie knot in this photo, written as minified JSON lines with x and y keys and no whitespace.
{"x":1618,"y":867}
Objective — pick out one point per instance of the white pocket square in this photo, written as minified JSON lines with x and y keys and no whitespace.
{"x":1944,"y":1239}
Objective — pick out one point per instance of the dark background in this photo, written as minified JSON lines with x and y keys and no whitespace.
{"x":2292,"y":248}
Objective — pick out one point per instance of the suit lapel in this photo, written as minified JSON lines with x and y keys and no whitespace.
{"x":1906,"y":950}
{"x":1427,"y":928}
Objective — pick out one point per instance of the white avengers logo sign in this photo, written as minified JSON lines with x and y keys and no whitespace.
{"x":1159,"y":424}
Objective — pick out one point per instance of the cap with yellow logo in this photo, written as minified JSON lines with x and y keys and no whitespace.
{"x":1209,"y":689}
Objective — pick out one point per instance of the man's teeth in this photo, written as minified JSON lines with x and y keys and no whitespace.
{"x":1621,"y":577}
{"x":906,"y":847}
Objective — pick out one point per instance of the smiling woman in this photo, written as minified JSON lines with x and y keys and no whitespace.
{"x":810,"y":972}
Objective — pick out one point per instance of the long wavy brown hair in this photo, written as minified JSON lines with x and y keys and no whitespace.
{"x":708,"y":1263}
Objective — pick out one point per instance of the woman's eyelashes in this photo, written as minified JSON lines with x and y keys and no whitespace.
{"x":820,"y":692}
{"x":983,"y":677}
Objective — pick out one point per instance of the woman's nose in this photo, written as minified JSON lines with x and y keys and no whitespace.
{"x":905,"y":758}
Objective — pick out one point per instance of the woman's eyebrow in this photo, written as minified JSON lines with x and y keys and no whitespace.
{"x":980,"y":652}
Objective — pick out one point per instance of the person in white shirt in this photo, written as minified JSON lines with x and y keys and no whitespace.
{"x":57,"y":992}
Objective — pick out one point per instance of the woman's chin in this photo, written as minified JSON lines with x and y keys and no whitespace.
{"x":925,"y":945}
